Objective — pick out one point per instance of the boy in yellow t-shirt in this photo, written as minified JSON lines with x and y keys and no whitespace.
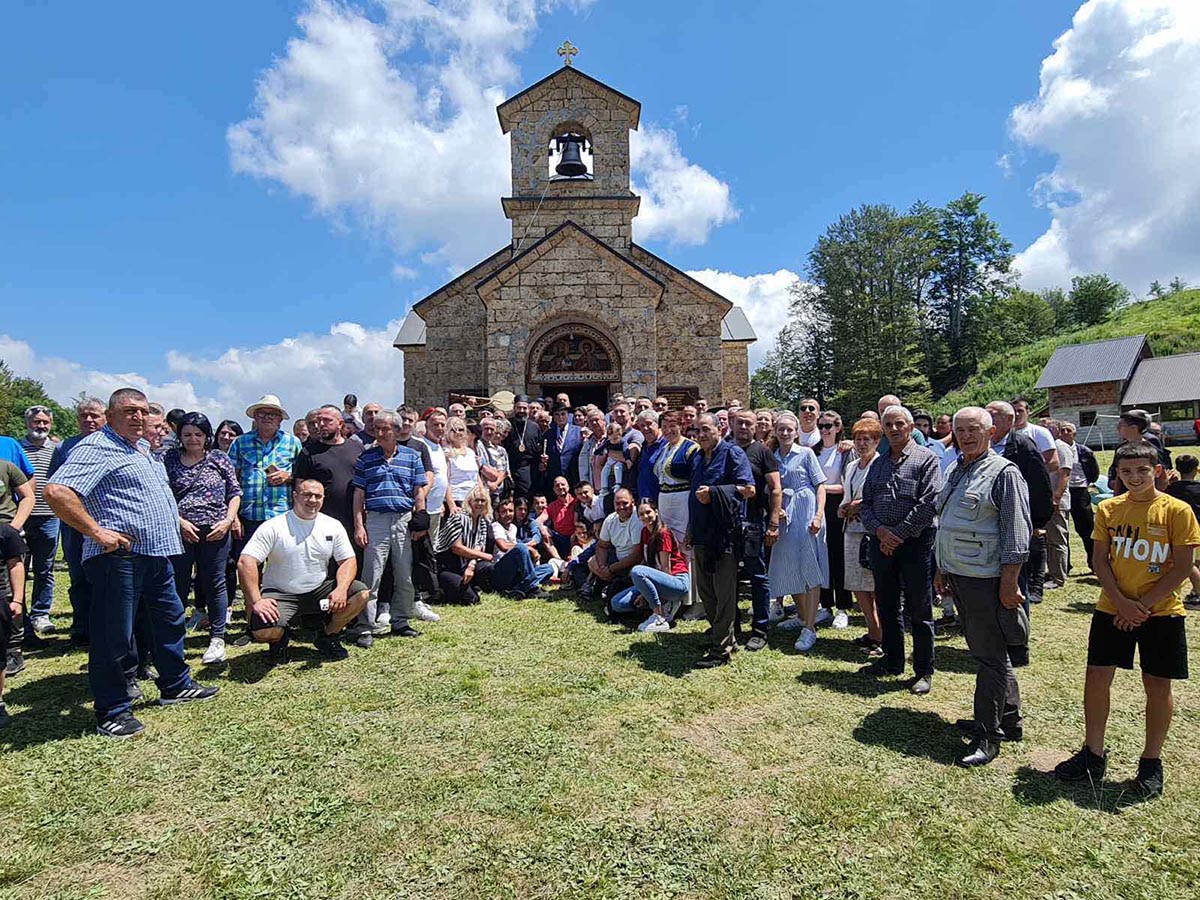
{"x":1143,"y":547}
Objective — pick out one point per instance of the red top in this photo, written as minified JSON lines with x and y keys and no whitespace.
{"x":667,"y":544}
{"x":561,"y":515}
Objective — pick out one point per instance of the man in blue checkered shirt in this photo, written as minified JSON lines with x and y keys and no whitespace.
{"x":114,"y":493}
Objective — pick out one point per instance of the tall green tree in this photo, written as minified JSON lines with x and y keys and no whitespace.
{"x":1021,"y":317}
{"x":17,"y":394}
{"x":971,"y":268}
{"x":1094,"y":297}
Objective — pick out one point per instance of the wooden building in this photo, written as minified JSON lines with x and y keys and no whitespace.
{"x":1087,"y":383}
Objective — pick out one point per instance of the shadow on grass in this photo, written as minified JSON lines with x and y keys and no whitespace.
{"x":58,"y":708}
{"x":1080,"y":606}
{"x":1033,"y":787}
{"x":253,"y":667}
{"x":910,"y":732}
{"x":857,"y":682}
{"x":669,"y":654}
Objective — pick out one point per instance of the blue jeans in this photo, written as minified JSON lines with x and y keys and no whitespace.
{"x":660,"y":588}
{"x":515,"y":571}
{"x":80,"y":590}
{"x":755,"y":568}
{"x":577,"y":568}
{"x":41,"y":534}
{"x":209,"y":559}
{"x":904,"y":584}
{"x":121,"y":581}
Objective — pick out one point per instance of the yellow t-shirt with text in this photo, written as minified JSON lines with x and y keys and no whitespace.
{"x":1139,"y":536}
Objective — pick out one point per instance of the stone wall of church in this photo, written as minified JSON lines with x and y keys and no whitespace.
{"x":609,"y":223}
{"x":453,"y":356}
{"x":735,"y":372}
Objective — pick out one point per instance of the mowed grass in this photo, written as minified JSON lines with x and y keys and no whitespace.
{"x":532,"y":750}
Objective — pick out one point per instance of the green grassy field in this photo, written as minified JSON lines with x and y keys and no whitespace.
{"x":533,"y":751}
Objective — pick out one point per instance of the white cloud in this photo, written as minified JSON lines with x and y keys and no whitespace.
{"x":764,"y":298}
{"x":1119,"y":106}
{"x":304,"y":371}
{"x":385,"y":118}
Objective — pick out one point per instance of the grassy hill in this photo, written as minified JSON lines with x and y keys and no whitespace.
{"x":1172,"y":325}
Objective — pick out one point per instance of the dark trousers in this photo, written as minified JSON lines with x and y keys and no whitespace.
{"x":41,"y":536}
{"x":836,"y":594}
{"x":1083,"y":516}
{"x":716,"y":583}
{"x":1033,"y":573}
{"x":120,"y":582}
{"x":80,"y":590}
{"x":904,"y":585}
{"x":209,"y":559}
{"x":990,"y":629}
{"x":755,"y":568}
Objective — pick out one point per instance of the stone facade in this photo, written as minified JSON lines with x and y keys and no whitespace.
{"x":572,"y":303}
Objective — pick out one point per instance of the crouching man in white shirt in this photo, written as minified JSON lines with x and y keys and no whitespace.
{"x":296,"y":549}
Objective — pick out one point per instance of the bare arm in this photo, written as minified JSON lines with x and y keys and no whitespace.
{"x":25,"y":501}
{"x":16,"y":577}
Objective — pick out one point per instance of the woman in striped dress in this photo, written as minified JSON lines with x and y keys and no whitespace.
{"x":799,"y":560}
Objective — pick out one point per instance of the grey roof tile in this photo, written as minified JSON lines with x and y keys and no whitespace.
{"x":1110,"y":360}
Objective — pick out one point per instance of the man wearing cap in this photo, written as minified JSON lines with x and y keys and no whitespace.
{"x":563,"y":443}
{"x":263,"y":459}
{"x":1134,"y":427}
{"x":524,"y":446}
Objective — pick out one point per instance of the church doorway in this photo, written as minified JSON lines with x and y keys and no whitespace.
{"x":578,"y":358}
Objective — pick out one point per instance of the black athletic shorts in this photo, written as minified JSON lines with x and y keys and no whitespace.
{"x":1161,"y":642}
{"x":306,"y":604}
{"x":6,"y":622}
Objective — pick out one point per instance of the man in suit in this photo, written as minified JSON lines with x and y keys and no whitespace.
{"x":563,"y":442}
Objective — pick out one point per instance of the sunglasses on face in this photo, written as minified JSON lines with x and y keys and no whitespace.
{"x":808,"y":409}
{"x":827,"y":426}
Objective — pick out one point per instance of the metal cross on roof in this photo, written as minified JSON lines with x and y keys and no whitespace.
{"x":566,"y":51}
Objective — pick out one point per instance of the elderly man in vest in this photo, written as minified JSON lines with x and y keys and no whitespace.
{"x":982,"y":541}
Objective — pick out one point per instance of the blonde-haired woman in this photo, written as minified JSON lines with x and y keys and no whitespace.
{"x":461,"y":547}
{"x":461,"y":462}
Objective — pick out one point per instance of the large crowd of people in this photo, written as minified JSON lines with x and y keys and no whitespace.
{"x":356,"y":524}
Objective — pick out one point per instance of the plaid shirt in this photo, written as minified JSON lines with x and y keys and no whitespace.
{"x":251,"y":459}
{"x":124,"y":489}
{"x":901,"y":495}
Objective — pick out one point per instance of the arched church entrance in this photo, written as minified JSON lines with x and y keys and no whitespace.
{"x":575,"y":357}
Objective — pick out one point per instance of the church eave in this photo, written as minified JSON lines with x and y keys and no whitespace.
{"x":517,"y":101}
{"x":694,"y":285}
{"x":463,"y":279}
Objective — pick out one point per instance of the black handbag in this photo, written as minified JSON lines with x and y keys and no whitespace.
{"x":864,"y":552}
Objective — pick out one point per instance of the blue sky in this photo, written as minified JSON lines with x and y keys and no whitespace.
{"x":142,"y":246}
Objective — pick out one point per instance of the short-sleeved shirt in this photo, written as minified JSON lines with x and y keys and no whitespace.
{"x":1066,"y":460}
{"x":296,"y":552}
{"x":561,"y":515}
{"x":1139,"y":536}
{"x":125,"y":490}
{"x":762,"y":463}
{"x":441,"y":475}
{"x":624,"y":536}
{"x":10,"y":450}
{"x":251,"y":458}
{"x":1040,"y":436}
{"x":39,"y":458}
{"x":728,"y":465}
{"x":666,"y":544}
{"x":11,"y":478}
{"x":389,"y":485}
{"x":418,"y":444}
{"x":12,"y":546}
{"x":808,"y":438}
{"x":202,"y":491}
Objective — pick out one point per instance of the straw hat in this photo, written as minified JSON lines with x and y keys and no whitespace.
{"x":266,"y":401}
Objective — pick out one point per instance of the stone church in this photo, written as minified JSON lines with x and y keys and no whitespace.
{"x":572,"y":303}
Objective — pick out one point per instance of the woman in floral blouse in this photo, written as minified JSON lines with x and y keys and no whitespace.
{"x":206,"y":488}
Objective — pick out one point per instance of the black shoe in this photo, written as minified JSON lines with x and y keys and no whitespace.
{"x":1012,"y":733}
{"x":33,"y":641}
{"x":757,"y":642}
{"x":243,"y":641}
{"x":880,"y":669}
{"x":147,"y":673}
{"x":865,"y":641}
{"x":405,"y":631}
{"x":1083,"y":765}
{"x":121,"y":727}
{"x":277,"y":652}
{"x":1149,"y":777}
{"x":712,"y":660}
{"x":366,"y":640}
{"x":14,"y":664}
{"x":983,"y":753}
{"x":330,"y":647}
{"x":193,"y":691}
{"x":588,"y":591}
{"x":515,"y":595}
{"x":5,"y":718}
{"x":945,"y":624}
{"x":134,"y":690}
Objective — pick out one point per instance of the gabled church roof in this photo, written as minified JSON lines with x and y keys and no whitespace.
{"x":566,"y":76}
{"x":472,"y":274}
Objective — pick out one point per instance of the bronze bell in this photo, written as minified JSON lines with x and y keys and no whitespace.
{"x":571,"y":165}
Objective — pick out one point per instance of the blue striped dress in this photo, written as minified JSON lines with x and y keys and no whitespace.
{"x":799,"y":560}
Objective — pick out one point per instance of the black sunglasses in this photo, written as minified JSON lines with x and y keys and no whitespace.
{"x":808,"y":409}
{"x":827,"y":426}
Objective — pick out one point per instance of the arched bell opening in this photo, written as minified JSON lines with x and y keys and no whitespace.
{"x":571,"y":153}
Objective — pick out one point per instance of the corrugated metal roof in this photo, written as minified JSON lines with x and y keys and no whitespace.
{"x":1166,"y":379}
{"x":411,"y":333}
{"x":1111,"y":360}
{"x":736,"y":327}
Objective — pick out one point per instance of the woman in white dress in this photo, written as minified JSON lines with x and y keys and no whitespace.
{"x":858,"y":578}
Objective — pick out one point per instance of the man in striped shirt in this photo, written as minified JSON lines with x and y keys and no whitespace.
{"x":389,"y":486}
{"x":41,"y":530}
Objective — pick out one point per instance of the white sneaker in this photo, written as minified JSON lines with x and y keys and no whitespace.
{"x":382,"y":627}
{"x":793,"y":624}
{"x":841,"y":620}
{"x":807,"y":639}
{"x":775,"y":612}
{"x":824,"y":617}
{"x":42,"y":625}
{"x":424,"y":612}
{"x":215,"y":652}
{"x":656,"y":624}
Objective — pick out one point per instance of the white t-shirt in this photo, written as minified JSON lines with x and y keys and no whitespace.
{"x":830,"y":459}
{"x":808,"y":438}
{"x":464,"y":475}
{"x":296,"y":551}
{"x":1039,"y":435}
{"x":1066,"y":460}
{"x":441,"y":477}
{"x":595,"y":512}
{"x":503,"y":533}
{"x":624,"y":536}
